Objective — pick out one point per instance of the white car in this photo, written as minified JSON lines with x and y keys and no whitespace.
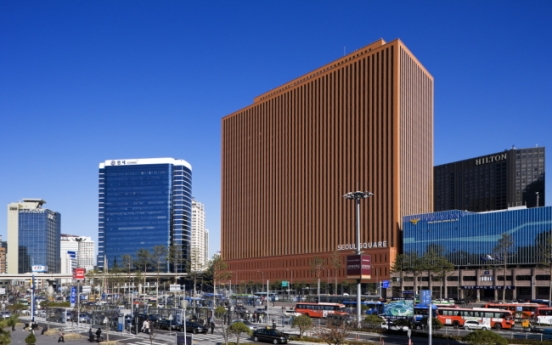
{"x":474,"y":325}
{"x":391,"y":326}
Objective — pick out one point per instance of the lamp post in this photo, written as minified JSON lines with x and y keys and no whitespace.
{"x":290,"y":282}
{"x":357,"y":196}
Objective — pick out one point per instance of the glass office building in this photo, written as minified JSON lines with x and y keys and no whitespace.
{"x":144,"y":203}
{"x":33,"y":237}
{"x":469,"y":239}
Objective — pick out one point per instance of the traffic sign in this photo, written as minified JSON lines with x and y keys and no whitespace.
{"x":385,"y":284}
{"x":285,"y":283}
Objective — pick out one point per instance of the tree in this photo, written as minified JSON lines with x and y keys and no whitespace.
{"x":501,"y":252}
{"x":430,"y":261}
{"x":31,"y":339}
{"x":481,"y":337}
{"x":336,"y":262}
{"x":193,"y":267}
{"x":400,"y":266}
{"x":5,"y":336}
{"x":373,"y":321}
{"x":159,"y":257}
{"x":176,"y":259}
{"x":238,"y":329}
{"x":143,"y":261}
{"x":220,"y":271}
{"x":303,"y":322}
{"x":332,"y":334}
{"x":317,"y":265}
{"x":443,"y":267}
{"x":414,"y":265}
{"x":12,"y":321}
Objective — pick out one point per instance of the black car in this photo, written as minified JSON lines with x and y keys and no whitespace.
{"x":196,"y":327}
{"x":165,"y":324}
{"x":271,"y":335}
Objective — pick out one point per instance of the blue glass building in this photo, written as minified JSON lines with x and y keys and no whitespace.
{"x":33,"y":237}
{"x":468,"y":239}
{"x":143,"y":203}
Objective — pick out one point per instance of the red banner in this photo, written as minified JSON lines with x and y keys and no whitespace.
{"x":359,"y":266}
{"x":78,"y":273}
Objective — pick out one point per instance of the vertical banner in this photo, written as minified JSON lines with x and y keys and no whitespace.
{"x":73,"y":297}
{"x":425,"y":297}
{"x":359,"y":266}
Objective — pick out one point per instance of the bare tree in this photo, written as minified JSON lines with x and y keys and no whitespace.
{"x":143,"y":262}
{"x":332,"y":334}
{"x":220,"y":272}
{"x":176,"y":259}
{"x":502,"y":252}
{"x":193,"y":268}
{"x":336,"y":262}
{"x":159,"y":257}
{"x":317,"y":265}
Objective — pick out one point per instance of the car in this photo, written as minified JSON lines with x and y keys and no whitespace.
{"x":240,"y":309}
{"x":393,"y":327}
{"x":474,"y":325}
{"x":250,"y":325}
{"x":271,"y":335}
{"x":339,"y":320}
{"x":261,"y":311}
{"x":165,"y":324}
{"x":196,"y":327}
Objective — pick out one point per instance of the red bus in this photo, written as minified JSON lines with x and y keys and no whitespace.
{"x":491,"y":318}
{"x":544,"y":316}
{"x":320,"y":309}
{"x":523,"y":310}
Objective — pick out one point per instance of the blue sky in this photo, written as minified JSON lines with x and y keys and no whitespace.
{"x":86,"y":81}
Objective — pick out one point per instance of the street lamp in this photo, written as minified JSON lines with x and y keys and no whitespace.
{"x":357,"y":196}
{"x":290,"y":282}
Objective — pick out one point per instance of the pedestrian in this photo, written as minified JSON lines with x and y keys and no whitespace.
{"x":90,"y":335}
{"x":44,"y":330}
{"x":147,"y":326}
{"x":98,"y":334}
{"x":61,"y":339}
{"x":212,"y":323}
{"x":273,"y":324}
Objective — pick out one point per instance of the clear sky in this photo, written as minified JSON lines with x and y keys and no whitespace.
{"x":86,"y":81}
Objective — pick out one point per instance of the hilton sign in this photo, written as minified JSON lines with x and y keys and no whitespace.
{"x":491,"y":159}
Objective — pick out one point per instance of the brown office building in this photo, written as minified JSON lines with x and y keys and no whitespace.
{"x":363,"y":122}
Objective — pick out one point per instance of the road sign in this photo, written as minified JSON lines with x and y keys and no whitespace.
{"x":425,"y":297}
{"x":385,"y":284}
{"x":285,"y":283}
{"x":175,"y":288}
{"x":86,"y":289}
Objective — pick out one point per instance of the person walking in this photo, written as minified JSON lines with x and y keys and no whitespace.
{"x":212,"y":323}
{"x":61,"y":339}
{"x":98,"y":334}
{"x":90,"y":335}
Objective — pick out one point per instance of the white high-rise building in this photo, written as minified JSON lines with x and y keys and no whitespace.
{"x":83,"y":249}
{"x":197,"y":248}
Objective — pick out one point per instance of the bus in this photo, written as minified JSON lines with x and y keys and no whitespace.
{"x":342,"y":298}
{"x":544,"y":316}
{"x":525,"y":310}
{"x":421,"y":311}
{"x":370,"y":307}
{"x":320,"y":309}
{"x":490,"y":317}
{"x":271,"y":296}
